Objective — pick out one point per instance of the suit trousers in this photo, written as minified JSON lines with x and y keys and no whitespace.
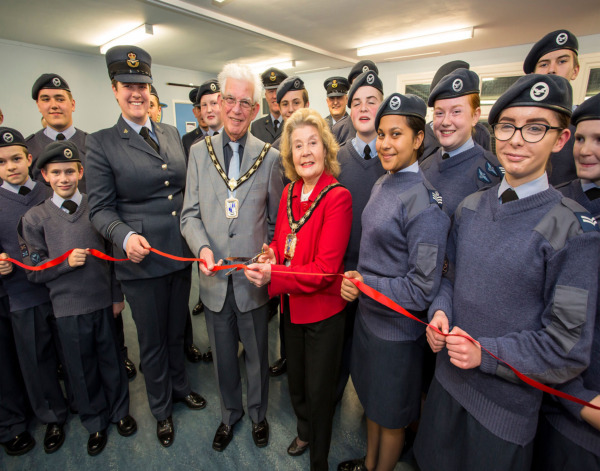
{"x":95,"y":368}
{"x":159,"y":307}
{"x":14,"y":407}
{"x":34,"y":330}
{"x":225,"y":330}
{"x":314,"y":355}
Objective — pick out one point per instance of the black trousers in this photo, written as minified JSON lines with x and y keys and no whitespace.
{"x":314,"y":354}
{"x":159,"y":307}
{"x":350,"y":310}
{"x":14,"y":406}
{"x":95,"y":368}
{"x":34,"y":330}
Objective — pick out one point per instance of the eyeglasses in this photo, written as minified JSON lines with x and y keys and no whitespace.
{"x":244,"y":104}
{"x":531,"y":133}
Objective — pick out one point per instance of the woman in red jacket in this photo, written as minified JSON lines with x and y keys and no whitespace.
{"x":311,"y":235}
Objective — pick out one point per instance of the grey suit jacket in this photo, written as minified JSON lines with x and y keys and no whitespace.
{"x":262,"y":129}
{"x":203,"y":221}
{"x":131,"y":188}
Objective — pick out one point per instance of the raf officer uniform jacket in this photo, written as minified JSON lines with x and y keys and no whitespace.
{"x":263,"y":129}
{"x":329,"y":120}
{"x":135,"y":189}
{"x":36,"y":143}
{"x":188,"y":139}
{"x":204,"y":223}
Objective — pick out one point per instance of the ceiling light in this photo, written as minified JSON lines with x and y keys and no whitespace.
{"x":132,"y":37}
{"x":415,"y":42}
{"x":261,"y":66}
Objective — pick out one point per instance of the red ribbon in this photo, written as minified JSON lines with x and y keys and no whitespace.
{"x":363,"y":288}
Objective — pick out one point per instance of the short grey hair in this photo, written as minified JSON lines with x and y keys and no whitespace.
{"x":241,"y":72}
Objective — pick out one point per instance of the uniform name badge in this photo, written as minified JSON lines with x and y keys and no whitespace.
{"x":231,"y":208}
{"x":290,"y":246}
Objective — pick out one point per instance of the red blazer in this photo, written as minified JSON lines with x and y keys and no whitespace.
{"x":320,"y":248}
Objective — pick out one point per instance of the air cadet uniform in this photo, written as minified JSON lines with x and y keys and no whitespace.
{"x":268,"y":129}
{"x":188,"y":139}
{"x":335,"y":86}
{"x":290,"y":84}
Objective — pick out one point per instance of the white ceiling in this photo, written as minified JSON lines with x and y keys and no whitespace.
{"x":315,"y":33}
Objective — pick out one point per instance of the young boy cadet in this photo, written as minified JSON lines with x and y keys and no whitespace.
{"x":33,"y":322}
{"x":83,"y":292}
{"x":291,"y":96}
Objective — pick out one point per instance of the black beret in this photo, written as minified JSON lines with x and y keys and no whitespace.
{"x":129,"y":64}
{"x":289,"y":84}
{"x":336,"y":86}
{"x":271,"y":78}
{"x":366,"y":79}
{"x":589,"y":109}
{"x":192,"y":95}
{"x":53,"y":81}
{"x":207,"y":88}
{"x":360,"y":68}
{"x":403,"y":105}
{"x":155,"y":93}
{"x":540,"y":90}
{"x":57,"y":152}
{"x":461,"y":82}
{"x":446,"y":69}
{"x":554,"y":41}
{"x":11,"y":137}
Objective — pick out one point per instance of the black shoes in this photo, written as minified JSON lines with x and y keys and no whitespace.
{"x":127,"y":426}
{"x":96,"y":442}
{"x":54,"y":438}
{"x":224,"y":435}
{"x":207,"y":357}
{"x":19,"y":445}
{"x":278,"y":368}
{"x":198,"y":308}
{"x":130,"y":368}
{"x":260,"y":433}
{"x":295,"y":449}
{"x":353,"y":465}
{"x":193,"y":400}
{"x":165,"y":431}
{"x":193,"y":354}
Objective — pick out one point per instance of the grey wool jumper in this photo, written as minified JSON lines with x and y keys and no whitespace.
{"x":523,"y":281}
{"x":48,"y":232}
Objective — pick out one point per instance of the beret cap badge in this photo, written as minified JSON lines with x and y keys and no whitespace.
{"x":8,"y":137}
{"x":132,"y":61}
{"x":56,"y":81}
{"x":213,"y":87}
{"x":539,"y":91}
{"x":395,"y":103}
{"x":370,"y":79}
{"x":365,"y":68}
{"x":457,"y":85}
{"x":562,"y":38}
{"x":68,"y":153}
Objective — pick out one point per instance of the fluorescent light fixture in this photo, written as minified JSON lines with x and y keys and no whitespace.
{"x":411,"y":55}
{"x":415,"y":42}
{"x":284,"y":65}
{"x":488,"y":79}
{"x":132,"y":37}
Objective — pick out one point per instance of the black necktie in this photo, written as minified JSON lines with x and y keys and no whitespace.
{"x":70,"y":206}
{"x":60,"y":136}
{"x":367,"y":152}
{"x":509,"y":195}
{"x":146,"y":135}
{"x":276,"y":124}
{"x":445,"y":156}
{"x":592,"y":193}
{"x":24,"y":190}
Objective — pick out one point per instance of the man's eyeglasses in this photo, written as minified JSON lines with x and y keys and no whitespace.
{"x":531,"y":133}
{"x":244,"y":104}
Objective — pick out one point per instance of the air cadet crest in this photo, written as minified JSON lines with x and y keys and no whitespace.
{"x":395,"y":103}
{"x":133,"y":60}
{"x":213,"y":87}
{"x":539,"y":91}
{"x":370,"y":79}
{"x":334,"y":84}
{"x":56,"y":82}
{"x":297,"y":84}
{"x":7,"y":137}
{"x":68,"y":153}
{"x":365,"y":68}
{"x":35,"y":258}
{"x":562,"y":38}
{"x":273,"y":77}
{"x":457,"y":85}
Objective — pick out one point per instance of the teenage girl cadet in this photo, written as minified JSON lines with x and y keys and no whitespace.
{"x":461,"y":166}
{"x":522,"y":280}
{"x":569,"y":434}
{"x":402,"y":252}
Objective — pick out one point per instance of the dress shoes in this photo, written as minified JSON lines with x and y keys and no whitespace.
{"x":357,"y":464}
{"x":19,"y":445}
{"x":278,"y":368}
{"x":260,"y":433}
{"x":97,"y":442}
{"x":224,"y":435}
{"x":198,"y":308}
{"x":127,"y":426}
{"x":295,"y":449}
{"x":193,"y":400}
{"x":54,"y":438}
{"x":165,"y":431}
{"x":130,"y":368}
{"x":207,"y":357}
{"x":193,"y":354}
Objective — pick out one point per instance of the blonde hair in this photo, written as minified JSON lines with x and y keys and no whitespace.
{"x":308,"y":117}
